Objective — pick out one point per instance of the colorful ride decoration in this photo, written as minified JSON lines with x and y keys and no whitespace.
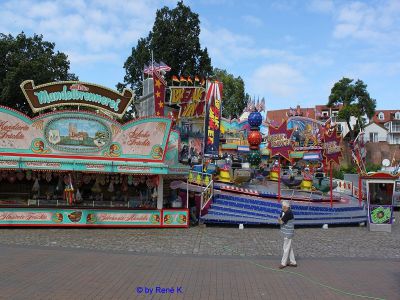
{"x":307,"y":182}
{"x":254,"y":138}
{"x":274,"y":174}
{"x":279,"y":141}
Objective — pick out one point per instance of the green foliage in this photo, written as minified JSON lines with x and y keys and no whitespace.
{"x":23,"y":58}
{"x":234,"y":97}
{"x":174,"y":39}
{"x":370,"y":167}
{"x":355,"y":99}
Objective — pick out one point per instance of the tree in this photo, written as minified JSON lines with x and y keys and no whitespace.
{"x":234,"y":98}
{"x":23,"y":58}
{"x":356,"y":102}
{"x":174,"y":40}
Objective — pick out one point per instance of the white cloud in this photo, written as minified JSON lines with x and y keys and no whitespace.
{"x":94,"y":28}
{"x":277,"y":80}
{"x":252,"y":20}
{"x":322,"y":6}
{"x":372,"y":22}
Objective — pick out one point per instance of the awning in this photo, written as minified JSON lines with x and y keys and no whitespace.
{"x":53,"y":164}
{"x":243,"y":149}
{"x":312,"y":156}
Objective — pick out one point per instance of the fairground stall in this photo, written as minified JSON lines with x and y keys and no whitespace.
{"x":74,"y":167}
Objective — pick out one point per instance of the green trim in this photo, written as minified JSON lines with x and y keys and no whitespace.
{"x":229,"y":146}
{"x":297,"y":154}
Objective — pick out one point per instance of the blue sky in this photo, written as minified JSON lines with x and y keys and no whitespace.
{"x":290,"y":52}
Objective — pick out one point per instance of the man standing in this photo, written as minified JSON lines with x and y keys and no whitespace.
{"x":286,"y":220}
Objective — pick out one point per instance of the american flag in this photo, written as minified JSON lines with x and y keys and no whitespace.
{"x":161,"y":66}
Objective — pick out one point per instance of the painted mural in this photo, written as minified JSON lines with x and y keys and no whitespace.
{"x":77,"y":134}
{"x":306,"y":132}
{"x":73,"y":134}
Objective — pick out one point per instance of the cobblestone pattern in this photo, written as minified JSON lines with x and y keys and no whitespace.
{"x":266,"y":241}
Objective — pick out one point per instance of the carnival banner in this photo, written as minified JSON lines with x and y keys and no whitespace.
{"x":279,"y":141}
{"x":332,"y":150}
{"x":213,"y":118}
{"x":82,"y":135}
{"x":191,"y":100}
{"x":159,"y":93}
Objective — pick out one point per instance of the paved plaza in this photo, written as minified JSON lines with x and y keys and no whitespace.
{"x":198,"y":263}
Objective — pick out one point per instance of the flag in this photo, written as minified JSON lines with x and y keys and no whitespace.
{"x":175,"y":79}
{"x":159,"y":94}
{"x":196,"y":79}
{"x":183,"y":79}
{"x":189,"y":79}
{"x":154,"y":66}
{"x":203,"y":82}
{"x":163,"y":66}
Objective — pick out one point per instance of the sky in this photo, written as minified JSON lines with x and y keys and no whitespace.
{"x":289,"y":52}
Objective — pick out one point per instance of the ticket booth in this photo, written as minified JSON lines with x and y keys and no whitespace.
{"x":380,"y":198}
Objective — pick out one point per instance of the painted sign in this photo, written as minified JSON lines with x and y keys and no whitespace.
{"x":76,"y":93}
{"x":331,"y":147}
{"x":279,"y":141}
{"x":381,"y":214}
{"x":213,"y":118}
{"x":83,"y":135}
{"x":307,"y":133}
{"x":93,"y":217}
{"x":77,"y":134}
{"x":175,"y":218}
{"x":191,"y":100}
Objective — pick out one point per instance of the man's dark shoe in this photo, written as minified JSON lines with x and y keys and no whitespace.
{"x":293,"y":265}
{"x":282,"y":266}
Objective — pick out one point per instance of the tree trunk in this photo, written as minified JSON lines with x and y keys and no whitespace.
{"x":350,"y":130}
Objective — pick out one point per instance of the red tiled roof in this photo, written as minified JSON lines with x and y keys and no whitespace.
{"x":387,"y":113}
{"x":282,"y":114}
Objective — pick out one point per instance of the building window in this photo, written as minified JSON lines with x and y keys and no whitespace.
{"x":325,"y":114}
{"x":397,"y":115}
{"x":373,"y":137}
{"x":334,"y":113}
{"x":381,"y":116}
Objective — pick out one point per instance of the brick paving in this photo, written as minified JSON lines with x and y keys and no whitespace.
{"x":52,"y":273}
{"x":208,"y":263}
{"x":262,"y":241}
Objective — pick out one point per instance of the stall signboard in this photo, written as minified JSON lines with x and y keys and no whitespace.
{"x":190,"y":99}
{"x":76,"y":93}
{"x":175,"y":218}
{"x":83,"y":135}
{"x":92,"y":217}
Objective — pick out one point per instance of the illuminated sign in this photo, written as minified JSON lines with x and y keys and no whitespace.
{"x":78,"y":94}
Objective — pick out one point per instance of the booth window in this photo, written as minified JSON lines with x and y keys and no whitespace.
{"x":380,"y":193}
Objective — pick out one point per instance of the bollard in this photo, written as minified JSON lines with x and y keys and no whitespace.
{"x":241,"y":226}
{"x":325,"y":226}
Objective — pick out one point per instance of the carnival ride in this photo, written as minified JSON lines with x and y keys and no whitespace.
{"x":251,"y":195}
